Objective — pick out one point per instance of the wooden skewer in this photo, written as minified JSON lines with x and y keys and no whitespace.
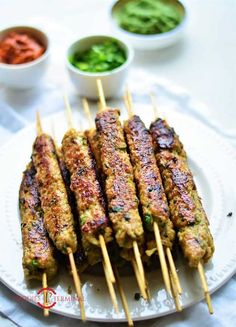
{"x":173,"y":270}
{"x":77,"y":284}
{"x":38,"y":124}
{"x":88,"y":112}
{"x":162,"y":257}
{"x":139,"y":280}
{"x":137,"y":256}
{"x":68,"y":111}
{"x":175,"y":294}
{"x":110,"y":287}
{"x":99,"y":106}
{"x":45,"y":295}
{"x":129,"y":103}
{"x":205,"y":287}
{"x":70,"y":253}
{"x":106,"y":259}
{"x":123,"y":297}
{"x":154,"y":105}
{"x":141,"y":270}
{"x":101,"y":94}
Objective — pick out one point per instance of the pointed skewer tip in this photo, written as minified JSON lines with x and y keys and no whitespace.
{"x":77,"y":284}
{"x":101,"y":94}
{"x":38,"y":124}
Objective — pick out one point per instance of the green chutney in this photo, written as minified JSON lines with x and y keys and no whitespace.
{"x":101,"y":57}
{"x":147,"y":16}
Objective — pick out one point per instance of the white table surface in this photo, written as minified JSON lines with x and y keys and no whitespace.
{"x":203,"y":62}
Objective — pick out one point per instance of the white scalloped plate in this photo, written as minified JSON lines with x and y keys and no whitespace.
{"x":213,"y":163}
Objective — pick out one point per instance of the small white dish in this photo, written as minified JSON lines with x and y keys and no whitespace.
{"x":112,"y":81}
{"x":27,"y":75}
{"x":152,"y":41}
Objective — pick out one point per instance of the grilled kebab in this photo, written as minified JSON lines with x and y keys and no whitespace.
{"x":38,"y":251}
{"x":58,"y":218}
{"x":152,"y":197}
{"x":187,"y":213}
{"x":88,"y":193}
{"x":119,"y":182}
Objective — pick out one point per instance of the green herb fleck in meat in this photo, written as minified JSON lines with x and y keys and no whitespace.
{"x":148,"y":221}
{"x":116,"y":209}
{"x":34,"y":263}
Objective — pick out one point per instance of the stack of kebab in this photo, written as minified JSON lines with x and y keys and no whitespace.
{"x":52,"y":210}
{"x":120,"y":188}
{"x":154,"y":206}
{"x":187,"y":213}
{"x":205,"y":248}
{"x":94,"y":224}
{"x":90,"y":205}
{"x":51,"y":180}
{"x":57,"y":219}
{"x":149,"y":174}
{"x":93,"y":139}
{"x":89,"y":199}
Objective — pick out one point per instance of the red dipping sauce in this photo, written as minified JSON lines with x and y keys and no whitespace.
{"x":20,"y":48}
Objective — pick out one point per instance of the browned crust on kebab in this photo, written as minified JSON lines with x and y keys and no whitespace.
{"x":185,"y":205}
{"x":38,"y":251}
{"x":148,"y":179}
{"x":79,"y":256}
{"x":165,"y":138}
{"x":58,"y":217}
{"x":88,"y":193}
{"x":119,"y":180}
{"x":93,"y":140}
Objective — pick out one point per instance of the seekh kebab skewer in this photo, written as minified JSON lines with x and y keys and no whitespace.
{"x":119,"y":184}
{"x":93,"y":139}
{"x":151,"y":193}
{"x":58,"y":218}
{"x":187,"y":213}
{"x":79,"y":255}
{"x":94,"y":224}
{"x":94,"y":144}
{"x":38,"y":252}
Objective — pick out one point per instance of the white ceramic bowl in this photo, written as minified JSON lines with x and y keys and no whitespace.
{"x":149,"y":42}
{"x":28,"y":75}
{"x":112,"y":81}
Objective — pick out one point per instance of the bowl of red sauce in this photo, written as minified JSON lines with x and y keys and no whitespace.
{"x":24,"y":54}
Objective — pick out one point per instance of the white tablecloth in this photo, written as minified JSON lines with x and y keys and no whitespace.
{"x":204,"y":63}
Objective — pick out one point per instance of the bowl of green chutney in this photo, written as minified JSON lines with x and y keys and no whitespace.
{"x":149,"y":24}
{"x":101,"y":57}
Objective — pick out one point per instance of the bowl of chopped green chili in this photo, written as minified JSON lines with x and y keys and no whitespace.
{"x":98,"y":56}
{"x":149,"y":24}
